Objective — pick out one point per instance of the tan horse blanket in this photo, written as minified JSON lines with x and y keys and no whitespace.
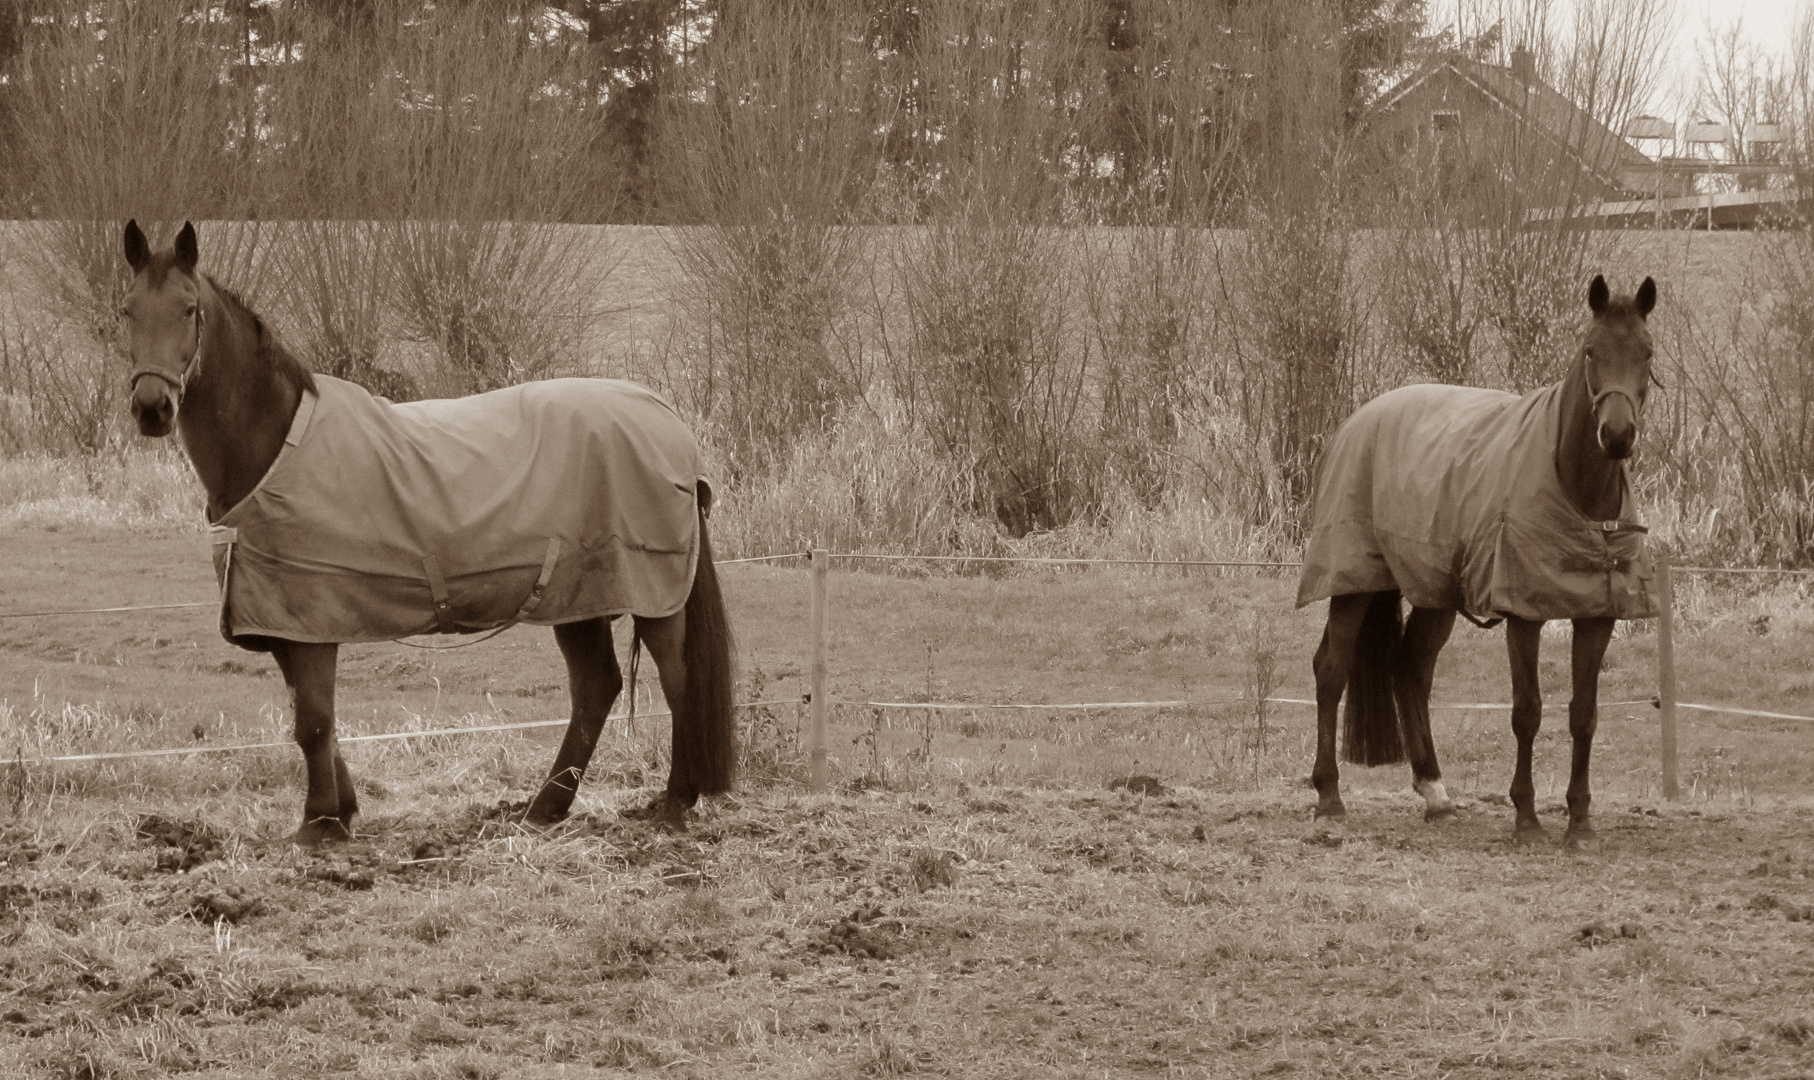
{"x":550,"y":502}
{"x":1450,"y":495}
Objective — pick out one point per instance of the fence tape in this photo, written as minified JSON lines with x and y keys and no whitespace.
{"x":382,"y":737}
{"x":103,"y":610}
{"x":1058,"y":561}
{"x":1036,"y":560}
{"x":959,"y":706}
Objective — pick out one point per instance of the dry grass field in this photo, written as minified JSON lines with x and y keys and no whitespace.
{"x":988,"y":893}
{"x":982,"y":893}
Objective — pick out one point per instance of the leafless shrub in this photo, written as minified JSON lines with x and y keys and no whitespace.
{"x":481,"y":268}
{"x":992,"y":365}
{"x":501,"y":302}
{"x":1263,"y":674}
{"x":335,"y":282}
{"x":56,"y":396}
{"x":1147,"y":293}
{"x":766,"y":160}
{"x":127,"y":123}
{"x":993,"y":360}
{"x":1754,"y":379}
{"x":1295,"y":349}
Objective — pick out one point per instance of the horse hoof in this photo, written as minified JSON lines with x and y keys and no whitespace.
{"x":1440,"y":813}
{"x":663,"y":811}
{"x":1580,"y":839}
{"x":1336,"y":814}
{"x":1527,"y":834}
{"x":321,"y":831}
{"x":539,"y":816}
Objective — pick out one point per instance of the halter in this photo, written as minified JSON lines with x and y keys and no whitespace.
{"x":179,"y":382}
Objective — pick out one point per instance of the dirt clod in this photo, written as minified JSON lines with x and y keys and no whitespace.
{"x":931,"y":869}
{"x":1598,"y":933}
{"x":1139,"y":784}
{"x":342,"y":872}
{"x":187,"y":844}
{"x":229,"y":902}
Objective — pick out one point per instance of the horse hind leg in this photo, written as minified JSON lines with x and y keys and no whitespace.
{"x":594,"y":680}
{"x":331,"y":802}
{"x":1334,"y":665}
{"x":665,"y":639}
{"x":1426,"y":632}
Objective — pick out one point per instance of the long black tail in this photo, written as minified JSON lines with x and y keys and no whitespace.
{"x":705,"y":738}
{"x":1370,"y":717}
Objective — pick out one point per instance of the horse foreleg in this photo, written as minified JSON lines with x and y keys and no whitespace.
{"x":594,"y":680}
{"x":1426,"y":632}
{"x":329,"y":806}
{"x":1522,"y":638}
{"x":666,"y":638}
{"x":1591,"y":636}
{"x":1333,"y":663}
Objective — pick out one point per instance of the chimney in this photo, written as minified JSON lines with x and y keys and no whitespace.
{"x":1524,"y":65}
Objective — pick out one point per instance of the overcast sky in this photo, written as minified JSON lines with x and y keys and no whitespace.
{"x":1766,"y":22}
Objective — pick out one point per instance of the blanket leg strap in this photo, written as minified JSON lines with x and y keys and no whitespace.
{"x":541,"y":582}
{"x":1484,"y":624}
{"x":437,"y":588}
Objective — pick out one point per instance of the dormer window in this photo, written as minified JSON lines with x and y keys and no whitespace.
{"x":1445,"y":122}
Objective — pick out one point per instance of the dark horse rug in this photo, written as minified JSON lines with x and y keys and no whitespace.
{"x":542,"y":503}
{"x":1449,"y":494}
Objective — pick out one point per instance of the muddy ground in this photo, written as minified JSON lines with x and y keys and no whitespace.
{"x":956,"y":931}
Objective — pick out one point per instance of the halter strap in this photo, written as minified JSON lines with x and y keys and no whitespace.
{"x":1594,"y":399}
{"x":180,"y":381}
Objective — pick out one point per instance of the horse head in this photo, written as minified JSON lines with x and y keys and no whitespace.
{"x":165,"y":323}
{"x":1615,"y":362}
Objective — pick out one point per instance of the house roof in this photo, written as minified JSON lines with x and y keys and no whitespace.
{"x":1591,"y":144}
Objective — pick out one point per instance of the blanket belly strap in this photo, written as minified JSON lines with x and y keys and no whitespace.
{"x":1579,"y":564}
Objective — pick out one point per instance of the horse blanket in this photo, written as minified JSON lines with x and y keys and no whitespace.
{"x":1450,"y":495}
{"x":547,"y":502}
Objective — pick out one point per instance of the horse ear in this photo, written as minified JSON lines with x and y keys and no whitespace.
{"x":1597,"y":295}
{"x":1647,"y":297}
{"x":186,"y":254}
{"x":138,"y":252}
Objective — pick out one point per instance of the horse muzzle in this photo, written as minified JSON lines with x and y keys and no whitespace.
{"x":1616,"y":423}
{"x":153,"y":406}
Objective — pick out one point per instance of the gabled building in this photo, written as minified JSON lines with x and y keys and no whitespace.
{"x":1477,"y":124}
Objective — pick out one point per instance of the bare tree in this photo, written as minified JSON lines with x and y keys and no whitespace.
{"x":1739,"y":85}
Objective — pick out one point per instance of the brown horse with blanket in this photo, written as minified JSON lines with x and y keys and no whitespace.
{"x":1502,"y":507}
{"x":339,"y":517}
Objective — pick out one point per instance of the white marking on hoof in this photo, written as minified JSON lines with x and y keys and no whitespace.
{"x":1435,"y":797}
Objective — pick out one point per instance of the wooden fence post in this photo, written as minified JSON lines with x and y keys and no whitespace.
{"x":1666,"y":671}
{"x":820,"y":561}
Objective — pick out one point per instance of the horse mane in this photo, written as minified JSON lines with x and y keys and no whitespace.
{"x":270,"y":348}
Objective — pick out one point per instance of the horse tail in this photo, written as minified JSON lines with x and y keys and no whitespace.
{"x":1370,"y":718}
{"x":705,"y":740}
